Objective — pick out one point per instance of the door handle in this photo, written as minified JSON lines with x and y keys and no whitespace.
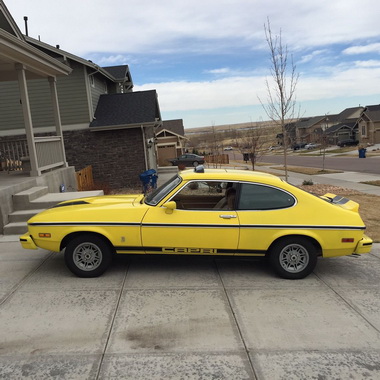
{"x":227,"y":216}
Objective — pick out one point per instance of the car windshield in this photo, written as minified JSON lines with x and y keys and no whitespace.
{"x":155,"y":197}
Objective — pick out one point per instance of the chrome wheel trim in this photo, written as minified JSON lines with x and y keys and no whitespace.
{"x":294,"y":258}
{"x":87,"y":256}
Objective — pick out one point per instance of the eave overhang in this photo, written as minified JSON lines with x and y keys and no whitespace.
{"x":36,"y":63}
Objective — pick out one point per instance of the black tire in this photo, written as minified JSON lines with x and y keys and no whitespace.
{"x":88,"y":255}
{"x":293,"y":257}
{"x":195,"y":163}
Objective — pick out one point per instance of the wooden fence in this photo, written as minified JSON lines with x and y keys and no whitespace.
{"x":85,"y":181}
{"x":218,"y":159}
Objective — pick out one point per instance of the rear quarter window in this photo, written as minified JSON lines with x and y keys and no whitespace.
{"x":262,"y":197}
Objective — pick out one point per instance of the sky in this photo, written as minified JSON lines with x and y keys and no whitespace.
{"x":209,"y":59}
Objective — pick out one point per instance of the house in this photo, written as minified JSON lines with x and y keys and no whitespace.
{"x":341,"y":131}
{"x":308,"y":129}
{"x":170,"y":139}
{"x":125,"y":144}
{"x":21,"y":65}
{"x":369,"y":125}
{"x":343,"y":126}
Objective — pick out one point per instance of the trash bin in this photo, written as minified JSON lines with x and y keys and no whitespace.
{"x":246,"y":157}
{"x":149,"y":180}
{"x":362,"y":152}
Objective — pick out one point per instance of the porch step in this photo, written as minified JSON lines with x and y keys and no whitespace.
{"x":18,"y":228}
{"x":23,"y":215}
{"x":22,"y":200}
{"x":30,"y":202}
{"x":47,"y":200}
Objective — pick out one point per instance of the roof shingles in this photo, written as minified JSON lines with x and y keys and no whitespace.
{"x":131,"y":108}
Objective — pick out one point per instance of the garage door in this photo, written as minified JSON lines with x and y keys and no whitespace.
{"x":165,"y":153}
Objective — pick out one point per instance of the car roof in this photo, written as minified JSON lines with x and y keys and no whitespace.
{"x":230,"y":174}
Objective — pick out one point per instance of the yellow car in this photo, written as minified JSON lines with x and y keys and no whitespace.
{"x":204,"y":212}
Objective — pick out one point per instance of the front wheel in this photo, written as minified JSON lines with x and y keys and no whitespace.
{"x":88,"y":255}
{"x":195,"y":163}
{"x":293,"y":257}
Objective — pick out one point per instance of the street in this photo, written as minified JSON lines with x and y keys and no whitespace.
{"x":346,"y":163}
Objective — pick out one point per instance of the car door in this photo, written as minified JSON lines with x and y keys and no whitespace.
{"x":263,"y":212}
{"x":195,"y":226}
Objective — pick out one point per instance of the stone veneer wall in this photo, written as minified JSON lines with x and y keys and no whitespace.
{"x":116,"y":156}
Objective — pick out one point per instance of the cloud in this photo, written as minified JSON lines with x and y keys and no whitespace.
{"x":142,"y":26}
{"x":363,"y":49}
{"x":244,"y":91}
{"x":312,"y":56}
{"x":369,"y":63}
{"x":223,"y":70}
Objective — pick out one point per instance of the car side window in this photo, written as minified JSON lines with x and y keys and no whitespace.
{"x":203,"y":195}
{"x":262,"y":197}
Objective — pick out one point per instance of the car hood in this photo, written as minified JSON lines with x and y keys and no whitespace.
{"x":104,"y":200}
{"x":103,"y":208}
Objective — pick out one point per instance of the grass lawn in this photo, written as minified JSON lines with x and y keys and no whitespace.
{"x":304,"y":170}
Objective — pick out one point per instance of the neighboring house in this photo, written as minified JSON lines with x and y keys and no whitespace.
{"x":369,"y":125}
{"x":170,"y":141}
{"x":80,"y":94}
{"x":343,"y":126}
{"x":308,"y":129}
{"x":342,"y":131}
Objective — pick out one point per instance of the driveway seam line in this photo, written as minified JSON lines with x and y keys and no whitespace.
{"x":236,"y":322}
{"x":352,"y":307}
{"x":112,"y":324}
{"x":21,"y":283}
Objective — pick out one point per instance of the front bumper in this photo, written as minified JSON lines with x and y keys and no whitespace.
{"x":364,"y":245}
{"x":27,"y":242}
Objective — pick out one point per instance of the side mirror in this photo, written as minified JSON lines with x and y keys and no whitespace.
{"x":170,"y":207}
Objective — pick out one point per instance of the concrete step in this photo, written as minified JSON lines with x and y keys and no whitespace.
{"x":18,"y":228}
{"x":22,"y":199}
{"x":18,"y":218}
{"x":51,"y":199}
{"x":23,"y":215}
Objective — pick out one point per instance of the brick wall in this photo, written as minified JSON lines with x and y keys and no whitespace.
{"x":116,"y":156}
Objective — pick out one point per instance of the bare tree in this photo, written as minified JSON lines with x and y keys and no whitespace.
{"x":280,"y":106}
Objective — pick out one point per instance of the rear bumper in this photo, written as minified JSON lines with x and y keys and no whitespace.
{"x":364,"y":245}
{"x":27,"y":242}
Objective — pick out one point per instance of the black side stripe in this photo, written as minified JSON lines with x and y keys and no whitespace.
{"x":85,"y":224}
{"x":168,"y":225}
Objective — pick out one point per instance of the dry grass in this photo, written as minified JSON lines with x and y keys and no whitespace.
{"x":369,"y":205}
{"x":374,"y":183}
{"x":308,"y":171}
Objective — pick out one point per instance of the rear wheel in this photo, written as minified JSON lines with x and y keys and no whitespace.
{"x":293,"y":257}
{"x":195,"y":163}
{"x":88,"y":255}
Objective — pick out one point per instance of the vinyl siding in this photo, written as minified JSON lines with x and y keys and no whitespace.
{"x":72,"y":96}
{"x":10,"y":107}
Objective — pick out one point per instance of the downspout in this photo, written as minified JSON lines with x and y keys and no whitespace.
{"x":144,"y":146}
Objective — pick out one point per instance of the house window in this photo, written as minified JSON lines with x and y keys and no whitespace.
{"x":105,"y":88}
{"x":364,"y":130}
{"x":92,"y":81}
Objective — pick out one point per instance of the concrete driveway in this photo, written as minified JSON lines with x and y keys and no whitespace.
{"x":187,"y":318}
